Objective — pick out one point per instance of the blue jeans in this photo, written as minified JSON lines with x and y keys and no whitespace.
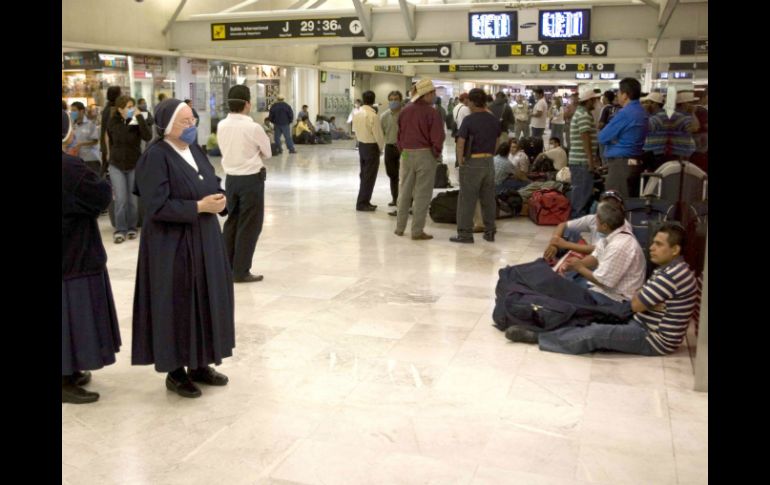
{"x":126,"y":203}
{"x":509,"y":184}
{"x":582,"y":187}
{"x":284,"y":130}
{"x":537,"y":132}
{"x":630,"y":338}
{"x":557,"y":130}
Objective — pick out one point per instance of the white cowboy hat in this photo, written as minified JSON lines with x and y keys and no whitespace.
{"x":685,"y":97}
{"x":586,"y":93}
{"x":424,"y":86}
{"x":654,"y":97}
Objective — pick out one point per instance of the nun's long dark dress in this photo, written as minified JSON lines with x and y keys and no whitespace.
{"x":183,"y":301}
{"x":90,"y":336}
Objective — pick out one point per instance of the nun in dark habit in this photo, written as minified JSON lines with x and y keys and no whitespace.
{"x":89,"y":324}
{"x":183,"y":301}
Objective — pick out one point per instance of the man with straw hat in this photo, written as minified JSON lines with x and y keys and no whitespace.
{"x":582,"y":153}
{"x":421,"y":140}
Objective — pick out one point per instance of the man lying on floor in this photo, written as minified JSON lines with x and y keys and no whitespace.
{"x":662,"y":310}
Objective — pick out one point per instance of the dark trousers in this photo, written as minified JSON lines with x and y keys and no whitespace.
{"x":623,"y":177}
{"x":369,"y":157}
{"x":392,"y":156}
{"x":284,"y":130}
{"x":245,"y":214}
{"x":477,"y":183}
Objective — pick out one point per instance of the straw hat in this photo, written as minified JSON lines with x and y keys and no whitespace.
{"x":654,"y":97}
{"x":685,"y":97}
{"x":280,"y":97}
{"x":586,"y":93}
{"x":424,"y":86}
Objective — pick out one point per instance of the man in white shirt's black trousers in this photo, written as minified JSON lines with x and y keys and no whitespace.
{"x":244,"y":146}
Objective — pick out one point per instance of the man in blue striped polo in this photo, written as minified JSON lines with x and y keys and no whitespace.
{"x":662,"y":310}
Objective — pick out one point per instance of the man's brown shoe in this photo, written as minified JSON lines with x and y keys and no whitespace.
{"x":421,"y":237}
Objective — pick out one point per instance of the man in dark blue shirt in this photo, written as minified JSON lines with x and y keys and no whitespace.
{"x":623,"y":139}
{"x":281,"y":116}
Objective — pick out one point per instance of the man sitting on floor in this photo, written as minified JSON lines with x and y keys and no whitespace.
{"x":662,"y":310}
{"x":567,"y":234}
{"x":616,"y":268}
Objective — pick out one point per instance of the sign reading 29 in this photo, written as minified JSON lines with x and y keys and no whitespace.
{"x":310,"y":25}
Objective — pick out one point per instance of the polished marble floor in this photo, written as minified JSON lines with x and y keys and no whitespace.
{"x":365,"y":358}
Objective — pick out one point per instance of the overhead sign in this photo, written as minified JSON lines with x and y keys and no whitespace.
{"x":492,"y":26}
{"x":683,"y":66}
{"x":402,"y":51}
{"x":474,"y":68}
{"x":583,"y":75}
{"x":606,"y":76}
{"x":396,"y":69}
{"x":93,"y":61}
{"x":576,"y":67}
{"x":675,"y":75}
{"x":552,"y":49}
{"x":572,"y":24}
{"x":693,"y":47}
{"x":288,"y":29}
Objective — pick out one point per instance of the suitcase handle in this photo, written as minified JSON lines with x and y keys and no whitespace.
{"x":650,"y":175}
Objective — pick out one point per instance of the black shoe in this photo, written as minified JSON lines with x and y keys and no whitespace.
{"x":292,"y":151}
{"x":372,"y":206}
{"x":393,"y":213}
{"x":516,"y":333}
{"x":460,"y":239}
{"x":80,"y":378}
{"x":249,"y":278}
{"x":489,"y":236}
{"x":183,"y":386}
{"x":208,"y":375}
{"x":392,"y":204}
{"x":366,"y":208}
{"x":77,"y":395}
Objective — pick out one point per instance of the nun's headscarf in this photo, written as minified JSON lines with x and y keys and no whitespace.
{"x":166,"y":112}
{"x":66,"y":126}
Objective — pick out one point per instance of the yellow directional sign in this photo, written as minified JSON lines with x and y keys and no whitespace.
{"x":394,"y":52}
{"x":516,"y":50}
{"x":543,"y":67}
{"x":218,"y":31}
{"x":452,"y":68}
{"x":581,"y":67}
{"x":571,"y":49}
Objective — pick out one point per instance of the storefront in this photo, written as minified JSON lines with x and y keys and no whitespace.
{"x":334,"y":89}
{"x":87,"y":75}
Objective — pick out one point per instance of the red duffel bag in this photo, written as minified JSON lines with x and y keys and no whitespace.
{"x":548,"y":207}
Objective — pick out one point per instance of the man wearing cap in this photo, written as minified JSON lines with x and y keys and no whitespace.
{"x":244,"y":146}
{"x":421,"y":140}
{"x":521,"y":114}
{"x":371,"y":142}
{"x":623,"y":139}
{"x":281,"y":115}
{"x":567,"y":234}
{"x":582,"y":154}
{"x":481,"y":130}
{"x":657,"y":130}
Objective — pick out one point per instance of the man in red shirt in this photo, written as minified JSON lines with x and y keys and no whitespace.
{"x":421,"y":139}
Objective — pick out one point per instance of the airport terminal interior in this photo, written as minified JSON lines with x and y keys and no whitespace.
{"x":364,"y":356}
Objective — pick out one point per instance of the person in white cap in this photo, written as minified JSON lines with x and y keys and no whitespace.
{"x":623,"y":139}
{"x":582,"y":154}
{"x":421,"y":140}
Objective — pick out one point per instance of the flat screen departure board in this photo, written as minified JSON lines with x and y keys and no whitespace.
{"x":492,"y":27}
{"x":572,"y":24}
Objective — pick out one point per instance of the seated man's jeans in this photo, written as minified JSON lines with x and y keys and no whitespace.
{"x":570,"y":235}
{"x":630,"y":338}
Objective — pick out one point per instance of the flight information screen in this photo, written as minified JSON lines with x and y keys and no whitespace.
{"x":565,"y":24}
{"x":492,"y":27}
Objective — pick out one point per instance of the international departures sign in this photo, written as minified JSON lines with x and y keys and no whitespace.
{"x":552,"y":49}
{"x":288,"y":29}
{"x":401,"y":51}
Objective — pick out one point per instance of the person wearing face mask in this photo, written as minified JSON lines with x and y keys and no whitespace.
{"x":183,"y":300}
{"x":244,"y":145}
{"x":86,"y":144}
{"x":389,"y":121}
{"x":126,"y":130}
{"x":89,"y":322}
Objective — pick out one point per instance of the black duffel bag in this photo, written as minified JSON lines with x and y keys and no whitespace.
{"x":443,"y":207}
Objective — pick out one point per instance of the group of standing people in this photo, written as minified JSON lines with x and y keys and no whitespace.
{"x":183,"y":315}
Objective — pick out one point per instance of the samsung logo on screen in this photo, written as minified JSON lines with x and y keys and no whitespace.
{"x":528,"y":25}
{"x":492,"y":27}
{"x":565,"y":24}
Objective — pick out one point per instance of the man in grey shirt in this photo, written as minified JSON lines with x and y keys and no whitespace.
{"x":389,"y":121}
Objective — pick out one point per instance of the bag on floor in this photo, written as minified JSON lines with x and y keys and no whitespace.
{"x":509,"y":204}
{"x":548,"y":207}
{"x":442,"y":177}
{"x":443,"y":207}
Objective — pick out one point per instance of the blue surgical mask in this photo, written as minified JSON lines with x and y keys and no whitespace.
{"x":394,"y":105}
{"x":189,"y":135}
{"x":74,"y":115}
{"x":130,"y":113}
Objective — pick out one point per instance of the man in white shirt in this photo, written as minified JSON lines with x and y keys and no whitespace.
{"x":462,"y":110}
{"x":244,"y":145}
{"x":371,"y":142}
{"x":616,"y":268}
{"x":555,"y":152}
{"x":539,"y":114}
